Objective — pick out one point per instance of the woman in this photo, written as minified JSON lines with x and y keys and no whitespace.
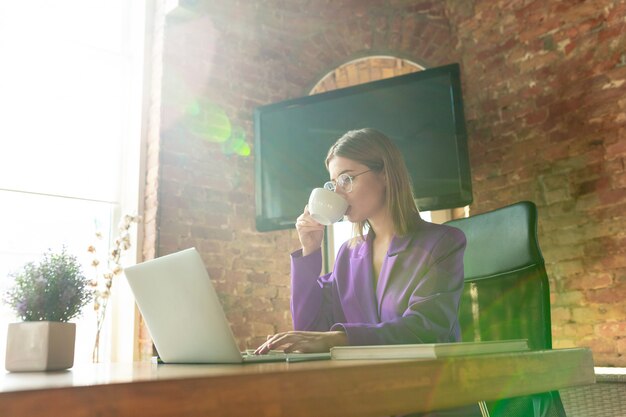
{"x":399,"y":283}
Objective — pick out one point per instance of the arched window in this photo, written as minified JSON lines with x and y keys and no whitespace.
{"x":364,"y":70}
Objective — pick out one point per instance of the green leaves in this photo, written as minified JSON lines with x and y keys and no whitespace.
{"x":54,"y":289}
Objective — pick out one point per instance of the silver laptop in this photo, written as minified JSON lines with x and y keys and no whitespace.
{"x":184,"y":315}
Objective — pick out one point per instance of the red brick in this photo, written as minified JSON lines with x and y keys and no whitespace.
{"x":562,"y":253}
{"x":599,"y":345}
{"x":561,"y":314}
{"x":610,"y":213}
{"x":610,"y":33}
{"x":614,"y":244}
{"x":537,"y":116}
{"x":562,"y":343}
{"x":608,"y":295}
{"x":618,"y":148}
{"x":609,"y":359}
{"x":615,"y":261}
{"x":570,"y":329}
{"x":591,"y":280}
{"x":611,"y":330}
{"x":568,"y":298}
{"x":587,"y":316}
{"x":258,"y":278}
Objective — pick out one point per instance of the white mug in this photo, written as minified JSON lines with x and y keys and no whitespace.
{"x":326,"y":206}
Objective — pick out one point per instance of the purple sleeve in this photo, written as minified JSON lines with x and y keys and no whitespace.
{"x":432,"y":312}
{"x":311,"y":303}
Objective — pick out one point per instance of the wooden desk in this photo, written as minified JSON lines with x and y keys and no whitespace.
{"x":322,"y":388}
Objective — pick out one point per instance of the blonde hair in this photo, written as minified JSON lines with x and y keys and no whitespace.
{"x":376,"y":151}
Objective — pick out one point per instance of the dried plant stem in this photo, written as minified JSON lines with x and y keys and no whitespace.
{"x":103,"y":282}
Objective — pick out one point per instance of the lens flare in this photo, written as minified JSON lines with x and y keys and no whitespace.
{"x":236,"y":144}
{"x":208,"y":121}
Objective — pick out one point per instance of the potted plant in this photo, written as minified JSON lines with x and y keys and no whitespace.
{"x":46,"y":296}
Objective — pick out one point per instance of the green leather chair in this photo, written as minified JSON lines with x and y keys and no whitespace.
{"x":507,"y":294}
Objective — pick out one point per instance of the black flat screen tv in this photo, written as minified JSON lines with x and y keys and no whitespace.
{"x":421,"y":112}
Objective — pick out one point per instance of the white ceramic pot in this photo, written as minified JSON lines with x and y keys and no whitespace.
{"x":40,"y":346}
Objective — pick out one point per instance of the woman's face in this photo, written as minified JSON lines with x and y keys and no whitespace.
{"x":367,"y":198}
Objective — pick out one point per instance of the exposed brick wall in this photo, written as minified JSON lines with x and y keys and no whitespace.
{"x":545,"y":96}
{"x":238,"y":55}
{"x":543,"y":85}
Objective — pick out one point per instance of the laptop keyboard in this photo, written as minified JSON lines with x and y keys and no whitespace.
{"x":279,"y":355}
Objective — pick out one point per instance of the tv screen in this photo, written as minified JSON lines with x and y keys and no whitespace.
{"x":421,"y":112}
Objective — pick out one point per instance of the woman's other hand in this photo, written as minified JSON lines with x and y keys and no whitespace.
{"x":303,"y":342}
{"x":310,"y":232}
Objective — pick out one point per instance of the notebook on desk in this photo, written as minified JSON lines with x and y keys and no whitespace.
{"x":428,"y":350}
{"x":184,"y":315}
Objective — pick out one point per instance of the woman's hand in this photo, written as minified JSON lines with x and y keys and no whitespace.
{"x":310,"y":232}
{"x":303,"y":342}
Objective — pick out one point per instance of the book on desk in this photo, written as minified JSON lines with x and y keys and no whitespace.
{"x":427,"y":350}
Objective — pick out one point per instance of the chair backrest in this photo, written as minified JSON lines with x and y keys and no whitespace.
{"x":506,"y":294}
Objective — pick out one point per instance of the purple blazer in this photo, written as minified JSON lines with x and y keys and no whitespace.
{"x":416,"y":299}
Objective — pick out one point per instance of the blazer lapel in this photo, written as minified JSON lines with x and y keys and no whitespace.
{"x":398,"y":245}
{"x":362,"y":271}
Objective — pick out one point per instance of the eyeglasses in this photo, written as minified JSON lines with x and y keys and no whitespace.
{"x":344,"y":182}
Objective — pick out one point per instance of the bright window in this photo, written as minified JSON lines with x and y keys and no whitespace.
{"x":71,"y":88}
